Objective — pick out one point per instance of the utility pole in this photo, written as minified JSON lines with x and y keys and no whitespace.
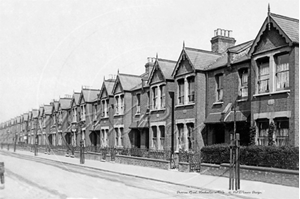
{"x":234,"y":169}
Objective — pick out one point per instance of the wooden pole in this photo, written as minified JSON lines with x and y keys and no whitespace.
{"x":231,"y":165}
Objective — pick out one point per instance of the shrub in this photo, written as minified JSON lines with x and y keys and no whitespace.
{"x":266,"y":156}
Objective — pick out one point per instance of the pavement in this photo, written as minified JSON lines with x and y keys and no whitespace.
{"x":212,"y":184}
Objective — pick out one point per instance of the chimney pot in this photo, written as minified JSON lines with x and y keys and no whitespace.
{"x":222,"y":40}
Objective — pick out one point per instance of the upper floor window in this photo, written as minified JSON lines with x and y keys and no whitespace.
{"x":263,"y":75}
{"x":191,"y":88}
{"x":148,"y":101}
{"x":119,"y":104}
{"x":158,"y":97}
{"x":83,"y":112}
{"x":219,"y":85}
{"x":180,"y":83}
{"x":74,"y":114}
{"x":138,"y":103}
{"x":243,"y":82}
{"x":282,"y":71}
{"x":105,"y":104}
{"x":162,"y":96}
{"x":95,"y":111}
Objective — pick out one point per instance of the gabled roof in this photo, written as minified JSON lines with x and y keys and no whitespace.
{"x":75,"y":98}
{"x":223,"y":60}
{"x":25,"y":116}
{"x":48,"y":109}
{"x":127,"y":81}
{"x":199,"y":59}
{"x":35,"y":113}
{"x":165,"y":66}
{"x":107,"y":86}
{"x":41,"y":111}
{"x":65,"y":103}
{"x":56,"y":105}
{"x":89,"y":95}
{"x":287,"y":27}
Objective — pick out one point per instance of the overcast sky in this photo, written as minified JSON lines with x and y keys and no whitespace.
{"x":52,"y":48}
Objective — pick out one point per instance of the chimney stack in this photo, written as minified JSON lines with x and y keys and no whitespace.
{"x":222,"y":40}
{"x":149,"y":64}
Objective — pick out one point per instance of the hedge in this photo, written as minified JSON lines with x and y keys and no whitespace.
{"x":265,"y":156}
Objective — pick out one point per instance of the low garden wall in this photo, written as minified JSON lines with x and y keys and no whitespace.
{"x":255,"y":173}
{"x":145,"y":162}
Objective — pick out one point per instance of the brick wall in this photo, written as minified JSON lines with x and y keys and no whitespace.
{"x":261,"y":174}
{"x":145,"y":162}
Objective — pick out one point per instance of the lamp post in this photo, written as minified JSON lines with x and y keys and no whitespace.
{"x":35,"y":140}
{"x":234,"y":173}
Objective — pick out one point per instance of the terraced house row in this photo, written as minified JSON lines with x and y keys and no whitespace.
{"x":259,"y":77}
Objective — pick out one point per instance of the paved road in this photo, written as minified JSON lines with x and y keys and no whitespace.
{"x":28,"y":177}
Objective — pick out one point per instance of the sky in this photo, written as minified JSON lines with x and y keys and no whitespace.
{"x":51,"y":48}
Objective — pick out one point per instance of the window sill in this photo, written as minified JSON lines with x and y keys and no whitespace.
{"x":183,"y":105}
{"x":137,"y":114}
{"x":272,"y":93}
{"x":242,"y":100}
{"x":119,"y":115}
{"x":218,"y":103}
{"x":155,"y":110}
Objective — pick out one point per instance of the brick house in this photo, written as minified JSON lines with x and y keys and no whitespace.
{"x":53,"y":137}
{"x":161,"y":83}
{"x":47,"y":117}
{"x":75,"y":119}
{"x":106,"y":112}
{"x":275,"y":81}
{"x":190,"y":97}
{"x":86,"y":100}
{"x":227,"y":86}
{"x":25,"y":127}
{"x":64,"y":121}
{"x":139,"y":127}
{"x":40,"y":125}
{"x":123,"y":103}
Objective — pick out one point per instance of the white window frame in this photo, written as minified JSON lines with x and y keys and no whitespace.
{"x":219,"y":89}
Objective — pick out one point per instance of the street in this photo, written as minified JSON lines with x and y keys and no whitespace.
{"x":35,"y":178}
